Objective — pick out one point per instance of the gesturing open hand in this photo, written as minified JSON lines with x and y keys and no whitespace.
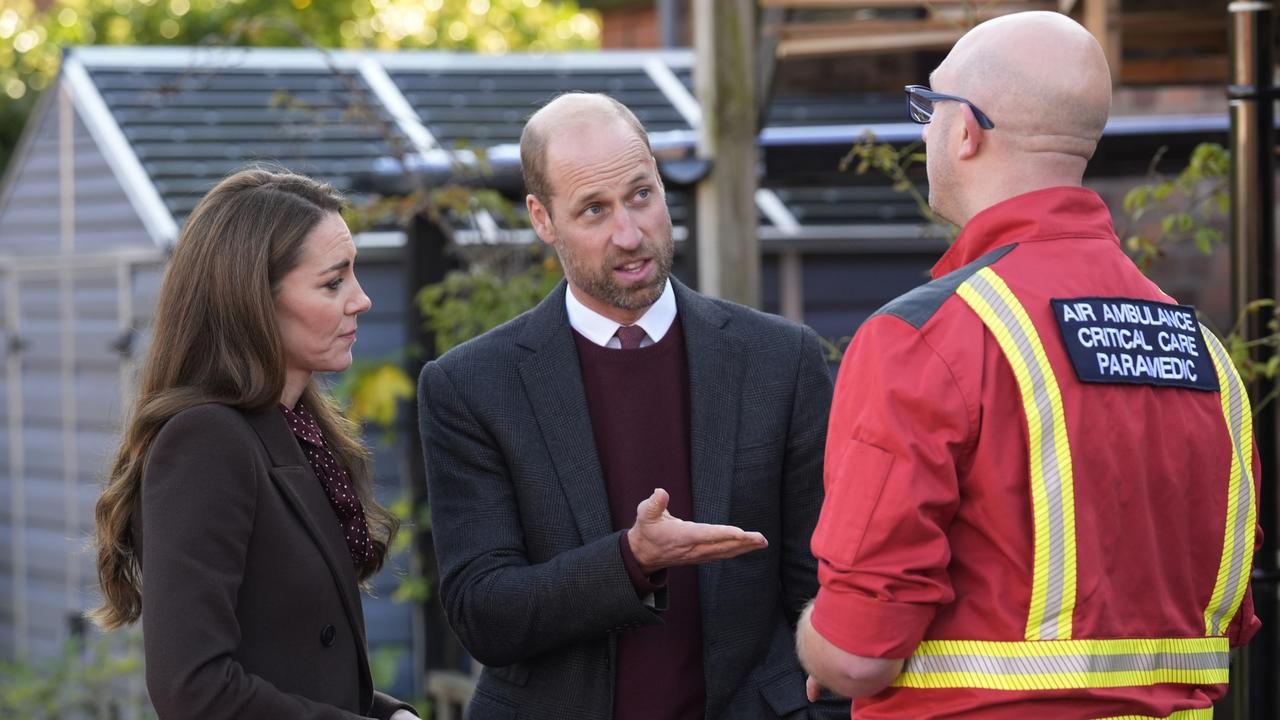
{"x":660,"y":540}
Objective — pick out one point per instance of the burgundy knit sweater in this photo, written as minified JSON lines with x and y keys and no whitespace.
{"x":639,"y":405}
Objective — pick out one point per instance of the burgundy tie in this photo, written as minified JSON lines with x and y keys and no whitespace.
{"x":630,"y":336}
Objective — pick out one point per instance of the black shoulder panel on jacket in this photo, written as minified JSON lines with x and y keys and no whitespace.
{"x":920,"y":304}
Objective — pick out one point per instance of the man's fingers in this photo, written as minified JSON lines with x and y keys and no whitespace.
{"x":720,"y":551}
{"x":703,"y":534}
{"x":812,"y":689}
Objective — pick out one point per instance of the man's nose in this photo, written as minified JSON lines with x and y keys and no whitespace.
{"x":626,"y":231}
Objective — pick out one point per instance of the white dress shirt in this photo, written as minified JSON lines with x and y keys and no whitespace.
{"x":602,"y":331}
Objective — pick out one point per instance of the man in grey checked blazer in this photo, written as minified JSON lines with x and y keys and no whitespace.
{"x":539,"y":579}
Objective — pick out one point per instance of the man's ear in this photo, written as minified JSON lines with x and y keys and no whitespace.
{"x":972,"y":137}
{"x":540,"y":218}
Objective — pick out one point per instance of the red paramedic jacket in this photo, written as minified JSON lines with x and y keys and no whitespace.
{"x":926,"y":532}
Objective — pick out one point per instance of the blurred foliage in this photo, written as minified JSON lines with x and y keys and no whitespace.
{"x":384,"y":665}
{"x":89,"y":681}
{"x":501,"y":282}
{"x":32,"y":35}
{"x":1190,"y":207}
{"x":895,"y":163}
{"x":371,"y":391}
{"x":1179,"y":209}
{"x":414,"y":587}
{"x":1242,"y":349}
{"x":469,"y":302}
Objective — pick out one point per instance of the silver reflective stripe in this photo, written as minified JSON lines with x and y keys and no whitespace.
{"x":1075,"y":664}
{"x":1066,"y":664}
{"x":1237,"y":549}
{"x":1055,"y":614}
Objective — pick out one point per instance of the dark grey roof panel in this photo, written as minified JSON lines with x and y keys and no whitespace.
{"x":142,"y":134}
{"x":152,"y":80}
{"x":847,"y":205}
{"x":267,"y":115}
{"x":233,"y":150}
{"x":801,"y":111}
{"x":191,"y":128}
{"x":489,"y":107}
{"x":798,"y":111}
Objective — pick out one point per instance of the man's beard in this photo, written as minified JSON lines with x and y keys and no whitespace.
{"x":600,"y":284}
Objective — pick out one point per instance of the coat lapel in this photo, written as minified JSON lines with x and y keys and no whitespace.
{"x":715,"y":381}
{"x":552,"y":380}
{"x":293,"y":475}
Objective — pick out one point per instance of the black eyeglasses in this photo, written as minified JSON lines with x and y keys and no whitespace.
{"x":920,"y":100}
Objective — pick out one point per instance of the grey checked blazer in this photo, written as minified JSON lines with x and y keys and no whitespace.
{"x":532,"y":580}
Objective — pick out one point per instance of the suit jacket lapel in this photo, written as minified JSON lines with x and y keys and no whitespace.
{"x":293,"y":475}
{"x":715,"y":381}
{"x":552,"y":380}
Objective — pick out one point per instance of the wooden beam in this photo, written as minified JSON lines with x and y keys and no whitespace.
{"x":865,"y":28}
{"x":1173,"y":32}
{"x":868,"y":44}
{"x":1102,"y":18}
{"x":862,"y":4}
{"x":727,"y":241}
{"x":1175,"y":70}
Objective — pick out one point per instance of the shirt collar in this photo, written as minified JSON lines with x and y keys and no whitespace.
{"x":1048,"y":214}
{"x":599,"y":329}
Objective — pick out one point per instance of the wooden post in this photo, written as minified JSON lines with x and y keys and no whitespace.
{"x":724,"y":78}
{"x":1102,"y":18}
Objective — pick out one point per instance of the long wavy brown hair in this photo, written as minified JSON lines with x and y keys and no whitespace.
{"x":215,"y":339}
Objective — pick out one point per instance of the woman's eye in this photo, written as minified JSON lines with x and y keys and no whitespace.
{"x":334,"y":284}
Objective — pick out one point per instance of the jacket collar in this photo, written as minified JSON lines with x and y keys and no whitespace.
{"x":297,"y":482}
{"x":1048,"y":214}
{"x":655,"y":322}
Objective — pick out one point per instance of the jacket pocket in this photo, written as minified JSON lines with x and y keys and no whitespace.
{"x":487,"y":707}
{"x":784,"y":693}
{"x":852,"y":492}
{"x":516,"y":673}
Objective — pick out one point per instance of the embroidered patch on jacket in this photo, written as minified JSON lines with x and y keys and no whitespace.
{"x":1122,"y":340}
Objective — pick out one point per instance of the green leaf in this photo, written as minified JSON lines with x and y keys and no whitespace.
{"x":377,"y":393}
{"x":1136,"y":199}
{"x":1272,"y":366}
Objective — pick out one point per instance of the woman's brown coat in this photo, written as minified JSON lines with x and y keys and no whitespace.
{"x":250,"y":605}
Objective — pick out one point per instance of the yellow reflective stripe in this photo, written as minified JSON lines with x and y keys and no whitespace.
{"x":1053,"y":585}
{"x":1237,"y":541}
{"x":1065,"y":664}
{"x":1193,"y":714}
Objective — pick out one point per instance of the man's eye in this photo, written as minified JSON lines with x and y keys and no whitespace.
{"x":644,"y":193}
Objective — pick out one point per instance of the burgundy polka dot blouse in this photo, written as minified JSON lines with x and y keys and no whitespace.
{"x":335,"y":480}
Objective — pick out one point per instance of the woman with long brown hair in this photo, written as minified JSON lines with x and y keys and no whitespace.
{"x":239,"y":492}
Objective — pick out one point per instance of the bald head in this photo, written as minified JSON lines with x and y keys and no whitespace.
{"x":1041,"y":77}
{"x":561,"y":118}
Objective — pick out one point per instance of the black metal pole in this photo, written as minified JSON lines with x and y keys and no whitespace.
{"x":1253,"y":239}
{"x":428,"y":261}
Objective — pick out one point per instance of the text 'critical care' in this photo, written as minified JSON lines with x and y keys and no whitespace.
{"x":1123,"y":340}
